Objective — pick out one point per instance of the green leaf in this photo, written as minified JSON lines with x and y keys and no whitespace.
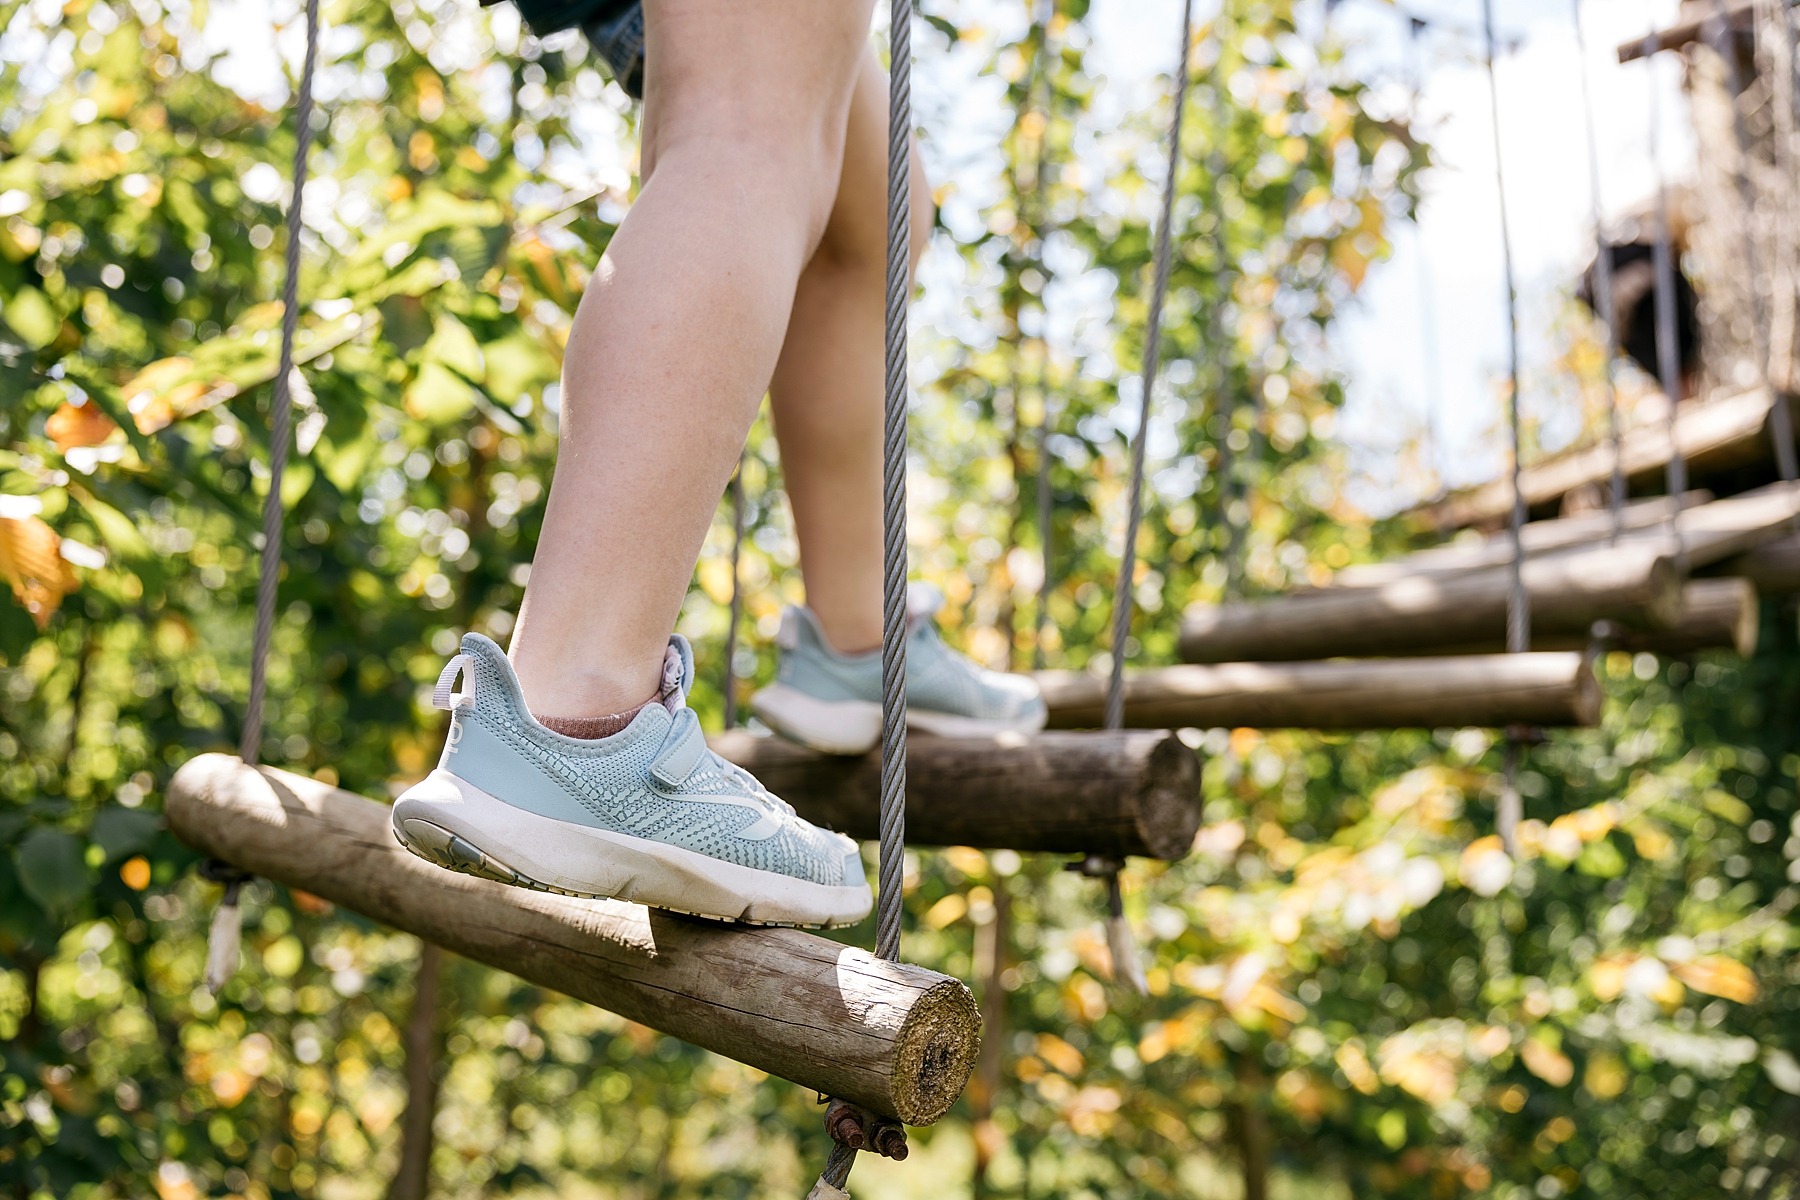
{"x":51,"y":869}
{"x":123,"y":831}
{"x":30,"y":315}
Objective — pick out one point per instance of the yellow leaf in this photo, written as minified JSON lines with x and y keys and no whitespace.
{"x":1357,"y":1069}
{"x":1060,"y":1054}
{"x":1717,"y":975}
{"x":1547,"y":1062}
{"x":1605,"y":1076}
{"x":31,"y":561}
{"x":75,"y":425}
{"x":1607,"y":978}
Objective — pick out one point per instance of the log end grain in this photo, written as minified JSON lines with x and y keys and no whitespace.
{"x":935,"y":1052}
{"x":1168,"y":803}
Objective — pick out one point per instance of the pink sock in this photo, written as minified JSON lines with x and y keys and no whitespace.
{"x":588,"y":728}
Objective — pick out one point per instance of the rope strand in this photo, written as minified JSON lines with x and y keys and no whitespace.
{"x":1603,"y":284}
{"x":1509,"y":811}
{"x":280,"y":409}
{"x":1159,"y":286}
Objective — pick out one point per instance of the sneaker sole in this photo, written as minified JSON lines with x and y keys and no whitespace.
{"x":854,"y":726}
{"x":456,"y":825}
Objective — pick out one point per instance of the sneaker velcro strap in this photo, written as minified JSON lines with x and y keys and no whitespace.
{"x":682,"y":752}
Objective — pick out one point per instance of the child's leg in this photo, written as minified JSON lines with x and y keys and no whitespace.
{"x":676,"y":338}
{"x":827,"y":394}
{"x":828,"y":385}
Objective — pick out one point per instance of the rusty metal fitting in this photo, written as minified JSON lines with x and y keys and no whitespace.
{"x":847,"y":1124}
{"x":1096,"y":866}
{"x":890,"y":1140}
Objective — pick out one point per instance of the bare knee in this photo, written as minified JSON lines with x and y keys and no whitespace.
{"x":789,"y":167}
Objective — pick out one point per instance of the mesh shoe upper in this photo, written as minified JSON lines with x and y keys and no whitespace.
{"x":655,"y":779}
{"x":938,"y":679}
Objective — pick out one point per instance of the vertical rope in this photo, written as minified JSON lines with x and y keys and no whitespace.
{"x":736,"y":608}
{"x":223,"y":937}
{"x":1046,"y":508}
{"x":1662,"y":260}
{"x":273,"y":514}
{"x":1781,"y":423}
{"x":1603,"y":283}
{"x":1159,"y":286}
{"x":1431,"y":358}
{"x":891,"y":872}
{"x":1518,"y":600}
{"x":893,"y":484}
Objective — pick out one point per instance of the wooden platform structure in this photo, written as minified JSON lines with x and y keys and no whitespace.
{"x":898,"y":1040}
{"x":1581,"y":579}
{"x":1716,"y":436}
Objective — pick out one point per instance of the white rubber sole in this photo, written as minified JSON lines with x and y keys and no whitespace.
{"x":451,"y":822}
{"x":854,"y":726}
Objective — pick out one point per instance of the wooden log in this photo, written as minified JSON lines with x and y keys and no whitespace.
{"x":1717,"y":614}
{"x":1115,"y":794}
{"x":1741,"y":14}
{"x":1699,"y":535}
{"x":1638,"y":586}
{"x":1471,"y":551}
{"x":1715,"y":435}
{"x":1773,"y":567}
{"x":897,"y":1039}
{"x":1491,"y":690}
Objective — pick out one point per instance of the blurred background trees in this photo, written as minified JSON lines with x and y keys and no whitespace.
{"x":1353,"y":991}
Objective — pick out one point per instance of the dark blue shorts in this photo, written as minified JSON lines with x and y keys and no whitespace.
{"x":614,"y":28}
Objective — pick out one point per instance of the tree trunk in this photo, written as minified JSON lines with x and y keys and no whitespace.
{"x":412,"y":1181}
{"x":991,"y":951}
{"x":1636,"y":586}
{"x":1115,"y":794}
{"x":897,"y":1039}
{"x":1492,"y":690}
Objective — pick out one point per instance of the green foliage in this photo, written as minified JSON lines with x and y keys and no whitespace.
{"x":1352,"y":989}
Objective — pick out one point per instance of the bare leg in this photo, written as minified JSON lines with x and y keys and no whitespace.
{"x":828,"y":385}
{"x":676,"y":338}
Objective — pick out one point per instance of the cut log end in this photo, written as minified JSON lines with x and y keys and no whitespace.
{"x":1168,"y":806}
{"x":935,"y":1052}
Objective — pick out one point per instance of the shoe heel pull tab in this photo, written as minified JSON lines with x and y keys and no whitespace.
{"x":787,"y":637}
{"x":670,"y":692}
{"x":441,"y":695}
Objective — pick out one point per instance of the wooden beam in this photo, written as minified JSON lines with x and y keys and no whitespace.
{"x":1470,"y":551}
{"x":1741,"y":14}
{"x":1717,"y":614}
{"x":1773,"y":567}
{"x":1714,"y":435}
{"x":1700,"y":535}
{"x":1638,"y":586}
{"x":1491,"y":690}
{"x":897,"y":1039}
{"x":1115,"y":794}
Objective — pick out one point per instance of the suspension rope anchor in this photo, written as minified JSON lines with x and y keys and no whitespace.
{"x":856,"y":1128}
{"x":1526,"y":735}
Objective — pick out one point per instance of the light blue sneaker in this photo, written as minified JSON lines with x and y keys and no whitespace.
{"x":831,"y":702}
{"x":649,"y":814}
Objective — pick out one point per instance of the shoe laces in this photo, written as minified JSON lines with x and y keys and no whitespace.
{"x":751,"y":784}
